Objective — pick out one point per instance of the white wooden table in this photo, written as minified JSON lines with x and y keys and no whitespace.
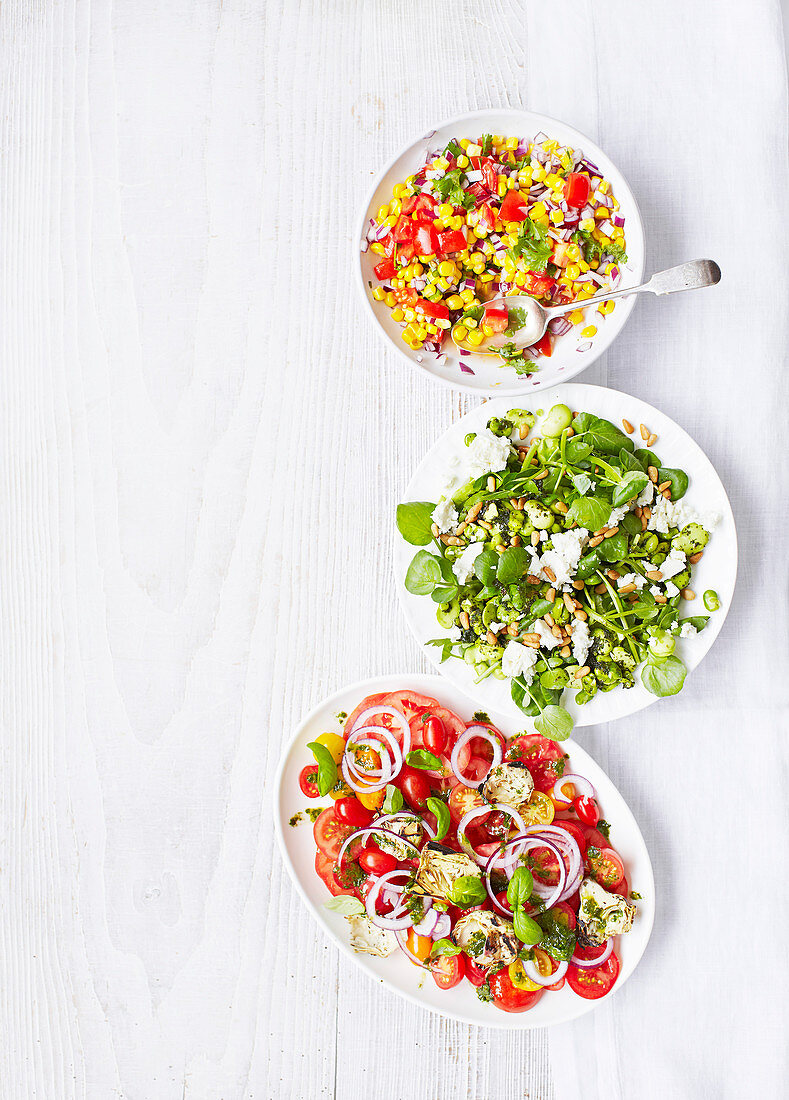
{"x":202,"y":444}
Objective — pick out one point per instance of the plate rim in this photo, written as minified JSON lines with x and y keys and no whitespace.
{"x":431,"y":681}
{"x":400,"y":544}
{"x":515,"y":388}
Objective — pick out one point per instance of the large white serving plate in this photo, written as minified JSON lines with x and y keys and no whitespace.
{"x":489,"y":378}
{"x":717,"y":569}
{"x":396,"y":972}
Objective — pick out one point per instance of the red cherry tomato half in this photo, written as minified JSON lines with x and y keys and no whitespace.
{"x":307,"y":778}
{"x":606,"y":867}
{"x":461,"y":800}
{"x":375,"y":862}
{"x":576,"y":190}
{"x":447,"y":970}
{"x":330,"y":833}
{"x":475,"y":974}
{"x":544,"y":345}
{"x":514,"y":207}
{"x":594,"y":982}
{"x":587,"y":810}
{"x":415,"y":787}
{"x":508,"y":997}
{"x":351,"y":812}
{"x":435,"y":736}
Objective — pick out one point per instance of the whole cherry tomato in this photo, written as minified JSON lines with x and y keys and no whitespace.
{"x":435,"y":735}
{"x":587,"y":811}
{"x":415,"y":787}
{"x":351,"y":812}
{"x":375,"y":862}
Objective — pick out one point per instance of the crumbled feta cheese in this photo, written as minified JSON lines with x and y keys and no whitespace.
{"x":646,"y":495}
{"x":671,"y":590}
{"x":676,"y":513}
{"x":581,"y":641}
{"x":617,"y":515}
{"x":463,"y":565}
{"x":519,"y":660}
{"x":445,"y":516}
{"x":368,"y":938}
{"x":496,"y":627}
{"x":563,"y":558}
{"x":674,"y":563}
{"x":487,"y":453}
{"x":548,"y":639}
{"x":688,"y":630}
{"x":655,"y":590}
{"x":631,"y":578}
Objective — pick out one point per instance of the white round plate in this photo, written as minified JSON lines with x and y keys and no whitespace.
{"x":396,"y":972}
{"x":488,"y":377}
{"x":717,"y":569}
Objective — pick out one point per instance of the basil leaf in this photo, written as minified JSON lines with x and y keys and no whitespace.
{"x":554,"y":723}
{"x":520,"y":887}
{"x":526,"y":929}
{"x":393,"y":799}
{"x":327,"y":769}
{"x":414,"y":521}
{"x":512,"y":565}
{"x":345,"y":905}
{"x":630,"y":486}
{"x":444,"y":947}
{"x":441,"y":811}
{"x":678,"y":479}
{"x":421,"y":758}
{"x":466,"y":891}
{"x":665,"y":677}
{"x":423,"y":574}
{"x":589,"y":512}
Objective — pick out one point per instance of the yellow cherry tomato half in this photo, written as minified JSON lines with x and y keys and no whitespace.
{"x":334,"y":743}
{"x":539,"y":810}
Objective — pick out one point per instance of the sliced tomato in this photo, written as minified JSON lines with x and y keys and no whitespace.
{"x":448,"y":970}
{"x":425,"y":209}
{"x":487,"y":217}
{"x":575,"y":832}
{"x":307,"y":781}
{"x":606,"y":867}
{"x":595,"y":981}
{"x":384,"y":270}
{"x":538,"y":285}
{"x":433,"y":309}
{"x":576,"y":190}
{"x":565,"y":913}
{"x":330,"y":833}
{"x":324,"y":869}
{"x":408,"y":204}
{"x":544,"y":346}
{"x":407,"y":251}
{"x":427,"y":243}
{"x":514,"y":207}
{"x":462,"y":799}
{"x":369,"y":700}
{"x":390,"y":244}
{"x":405,"y":230}
{"x":544,"y":866}
{"x":508,"y":997}
{"x":543,"y":758}
{"x":375,"y":862}
{"x":497,"y":318}
{"x":490,"y":176}
{"x":453,"y":240}
{"x":594,"y":839}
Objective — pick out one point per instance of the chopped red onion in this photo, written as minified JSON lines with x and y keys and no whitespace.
{"x":559,"y":325}
{"x":584,"y":346}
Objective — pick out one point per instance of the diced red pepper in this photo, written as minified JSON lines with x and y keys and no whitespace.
{"x":408,"y":204}
{"x":405,"y":230}
{"x":389,"y":244}
{"x":544,"y":345}
{"x":514,"y":207}
{"x":452,"y":241}
{"x":385,"y":270}
{"x":489,"y":175}
{"x":576,"y":189}
{"x":427,"y":242}
{"x":425,"y":209}
{"x":487,"y":216}
{"x":538,"y":285}
{"x":433,"y":309}
{"x":497,"y":317}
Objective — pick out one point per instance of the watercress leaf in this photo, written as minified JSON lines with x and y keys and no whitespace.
{"x":345,"y":905}
{"x":393,"y":799}
{"x":699,"y":621}
{"x":615,"y":548}
{"x":327,"y":768}
{"x":582,"y":482}
{"x":678,"y":479}
{"x":520,"y":696}
{"x":589,"y":512}
{"x":414,"y":520}
{"x":485,"y":566}
{"x":467,"y":890}
{"x":441,"y":812}
{"x":423,"y":574}
{"x":421,"y":758}
{"x":444,"y":947}
{"x":444,"y":593}
{"x":526,"y":928}
{"x":577,"y":449}
{"x":647,"y":458}
{"x":554,"y":679}
{"x":629,"y":461}
{"x":512,"y":565}
{"x":583,"y":421}
{"x":520,"y":887}
{"x":444,"y":644}
{"x":630,"y":486}
{"x":554,"y":723}
{"x":664,"y":677}
{"x":606,"y":437}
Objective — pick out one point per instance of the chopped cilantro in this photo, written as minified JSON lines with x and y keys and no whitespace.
{"x":483,"y":991}
{"x":531,"y":246}
{"x":450,"y":189}
{"x":516,"y":319}
{"x":486,"y":143}
{"x":514,"y":357}
{"x":634,"y":894}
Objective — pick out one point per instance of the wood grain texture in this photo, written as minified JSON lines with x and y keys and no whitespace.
{"x":200,"y":441}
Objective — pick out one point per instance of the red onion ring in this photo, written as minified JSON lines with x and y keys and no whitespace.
{"x":443,"y":926}
{"x":405,"y":729}
{"x":586,"y":964}
{"x":525,"y":844}
{"x":544,"y":979}
{"x":571,"y":857}
{"x":400,"y":917}
{"x":465,"y":737}
{"x":583,"y":789}
{"x":478,"y":811}
{"x":359,"y":833}
{"x":427,"y":925}
{"x":351,"y":768}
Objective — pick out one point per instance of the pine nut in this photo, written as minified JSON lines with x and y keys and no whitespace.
{"x":661,"y":599}
{"x":512,"y":630}
{"x":540,"y":475}
{"x":578,"y":585}
{"x":569,"y":602}
{"x":500,"y":549}
{"x":556,"y":631}
{"x":533,"y":645}
{"x":654,"y":575}
{"x":637,"y":510}
{"x":570,"y":432}
{"x":667,"y":494}
{"x":491,"y":484}
{"x":531,"y":637}
{"x":628,"y":427}
{"x":462,"y":527}
{"x":453,"y":540}
{"x":581,"y":672}
{"x":549,"y":573}
{"x":549,"y":619}
{"x":694,"y":559}
{"x":531,"y":579}
{"x":663,"y":486}
{"x":653,"y":474}
{"x":688,"y":594}
{"x":652,"y":440}
{"x":516,"y":540}
{"x":492,"y":639}
{"x":550,"y":595}
{"x":579,"y":614}
{"x":596,"y":540}
{"x":643,"y":521}
{"x":565,"y":651}
{"x":612,"y":574}
{"x":610,"y":532}
{"x":434,"y":530}
{"x":513,"y":502}
{"x":521,"y":503}
{"x":535,"y":538}
{"x":484,"y":523}
{"x":644,"y":432}
{"x":627,"y":589}
{"x":600,"y":589}
{"x":464,"y":619}
{"x":474,"y":511}
{"x":561,"y":507}
{"x":523,"y":431}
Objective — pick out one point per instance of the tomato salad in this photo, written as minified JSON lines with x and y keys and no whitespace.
{"x":477,"y":857}
{"x":489,"y":217}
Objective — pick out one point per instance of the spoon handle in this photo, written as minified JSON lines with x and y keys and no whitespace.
{"x":689,"y":276}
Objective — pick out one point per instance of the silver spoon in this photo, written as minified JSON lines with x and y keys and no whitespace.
{"x":689,"y":276}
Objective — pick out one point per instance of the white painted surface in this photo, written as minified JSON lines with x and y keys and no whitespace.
{"x":200,"y":441}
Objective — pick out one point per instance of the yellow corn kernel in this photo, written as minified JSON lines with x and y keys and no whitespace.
{"x":420,"y":333}
{"x":573,"y":252}
{"x":487,"y":330}
{"x":442,"y":284}
{"x":383,"y":212}
{"x":467,"y":295}
{"x":441,"y":162}
{"x":550,"y":146}
{"x":462,"y":161}
{"x":587,"y":224}
{"x":464,"y":143}
{"x":604,"y":187}
{"x":390,"y":300}
{"x":475,"y":339}
{"x":474,"y":150}
{"x":487,"y":277}
{"x":460,"y":332}
{"x":444,"y":210}
{"x":378,"y":248}
{"x":572,"y":271}
{"x":511,"y":143}
{"x":607,"y":307}
{"x":395,"y":206}
{"x":408,"y":332}
{"x":538,"y":212}
{"x":557,"y":217}
{"x":457,"y":222}
{"x":399,"y":191}
{"x":509,"y":265}
{"x":601,"y":213}
{"x":501,"y":185}
{"x":455,"y":302}
{"x":480,"y":231}
{"x":470,"y":323}
{"x":538,"y":173}
{"x":417,"y":269}
{"x":447,"y":269}
{"x":584,"y":266}
{"x":379,"y":293}
{"x":525,"y":175}
{"x":590,"y":330}
{"x":391,"y":221}
{"x":397,"y":314}
{"x":441,"y":322}
{"x":575,"y":317}
{"x":410,"y":315}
